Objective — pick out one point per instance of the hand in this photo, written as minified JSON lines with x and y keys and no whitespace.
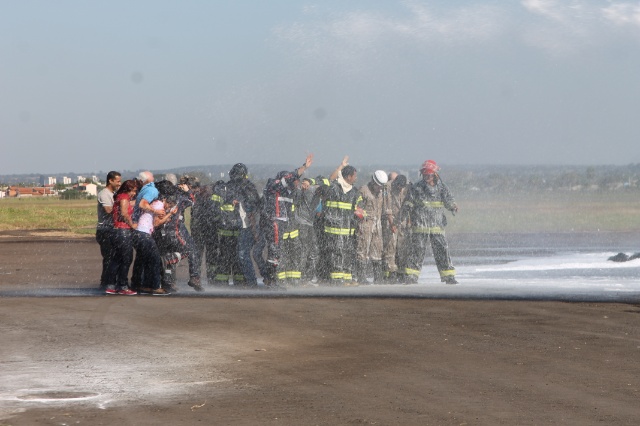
{"x":394,"y":229}
{"x":345,"y":162}
{"x":308,"y":161}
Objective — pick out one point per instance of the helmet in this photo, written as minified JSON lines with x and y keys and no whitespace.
{"x":429,"y":167}
{"x":238,"y":171}
{"x":380,"y":177}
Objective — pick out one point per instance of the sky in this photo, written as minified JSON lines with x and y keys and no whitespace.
{"x":157,"y":84}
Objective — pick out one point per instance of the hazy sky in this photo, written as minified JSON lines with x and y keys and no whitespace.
{"x":97,"y":85}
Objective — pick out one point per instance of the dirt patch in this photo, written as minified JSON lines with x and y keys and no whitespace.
{"x":148,"y":360}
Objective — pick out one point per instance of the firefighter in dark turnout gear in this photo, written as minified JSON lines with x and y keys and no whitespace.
{"x":305,"y":217}
{"x":203,"y":228}
{"x":341,"y":206}
{"x":281,"y":227}
{"x":235,"y":207}
{"x":424,"y":207}
{"x":322,"y":264}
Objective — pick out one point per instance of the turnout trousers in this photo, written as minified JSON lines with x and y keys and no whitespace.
{"x":206,"y":243}
{"x":393,"y":254}
{"x":369,"y":240}
{"x":309,"y":251}
{"x":341,"y":251}
{"x":229,"y":267}
{"x":417,"y":250}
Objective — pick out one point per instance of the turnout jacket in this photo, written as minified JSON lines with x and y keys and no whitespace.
{"x":232,"y":203}
{"x":279,"y":206}
{"x":339,"y":208}
{"x":424,"y":206}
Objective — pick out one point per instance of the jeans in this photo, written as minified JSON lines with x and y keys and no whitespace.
{"x":245,"y":244}
{"x":147,"y":267}
{"x":104,"y":238}
{"x":121,"y":258}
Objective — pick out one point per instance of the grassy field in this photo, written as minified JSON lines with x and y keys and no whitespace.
{"x":48,"y":213}
{"x":568,"y":211}
{"x":479,"y":212}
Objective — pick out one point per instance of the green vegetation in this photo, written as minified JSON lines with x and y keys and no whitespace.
{"x":48,"y":213}
{"x":548,"y":211}
{"x":553,"y":211}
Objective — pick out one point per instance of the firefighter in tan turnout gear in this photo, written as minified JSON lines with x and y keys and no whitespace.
{"x":369,"y":231}
{"x":424,"y":206}
{"x":394,"y":231}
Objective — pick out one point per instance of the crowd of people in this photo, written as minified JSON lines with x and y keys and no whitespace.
{"x":300,"y":230}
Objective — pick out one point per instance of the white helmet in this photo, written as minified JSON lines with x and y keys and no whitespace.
{"x":380,"y":177}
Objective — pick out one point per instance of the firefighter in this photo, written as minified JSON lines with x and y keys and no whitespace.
{"x":369,"y":230}
{"x":322,"y":185}
{"x":203,"y":229}
{"x":281,"y":227}
{"x":393,"y":230}
{"x":185,"y":199}
{"x":424,"y":206}
{"x":341,"y":204}
{"x":235,"y":205}
{"x":305,"y":214}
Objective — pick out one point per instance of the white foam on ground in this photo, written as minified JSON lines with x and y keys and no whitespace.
{"x":584,"y":261}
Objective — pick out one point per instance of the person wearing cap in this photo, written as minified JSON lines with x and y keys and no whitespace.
{"x":280,"y":226}
{"x":341,"y":205}
{"x":369,"y":233}
{"x":424,"y":206}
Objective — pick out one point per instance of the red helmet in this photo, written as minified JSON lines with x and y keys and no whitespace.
{"x":429,"y":167}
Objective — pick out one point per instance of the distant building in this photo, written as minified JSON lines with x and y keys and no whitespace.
{"x":95,"y":179}
{"x":47,"y":180}
{"x":89,"y":188}
{"x":81,"y":179}
{"x":32,"y":191}
{"x":66,"y":180}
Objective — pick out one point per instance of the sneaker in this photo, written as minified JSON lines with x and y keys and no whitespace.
{"x":194,"y":282}
{"x":128,"y":292}
{"x":111,"y":291}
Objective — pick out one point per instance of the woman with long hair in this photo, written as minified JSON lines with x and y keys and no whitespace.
{"x":122,"y":239}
